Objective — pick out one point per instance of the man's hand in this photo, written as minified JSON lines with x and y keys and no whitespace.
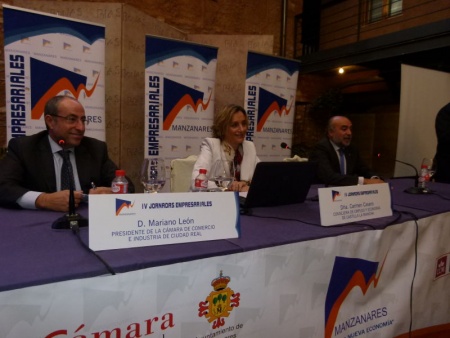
{"x":100,"y":190}
{"x":57,"y":201}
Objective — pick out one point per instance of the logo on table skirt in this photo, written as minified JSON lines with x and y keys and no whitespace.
{"x":219,"y":303}
{"x":336,"y":196}
{"x":121,"y":205}
{"x":348,"y":273}
{"x":442,"y":267}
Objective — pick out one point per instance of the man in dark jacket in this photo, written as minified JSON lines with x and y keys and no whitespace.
{"x":442,"y":157}
{"x":339,"y":163}
{"x":30,"y":173}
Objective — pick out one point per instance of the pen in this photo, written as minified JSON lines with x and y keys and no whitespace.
{"x":93,"y":185}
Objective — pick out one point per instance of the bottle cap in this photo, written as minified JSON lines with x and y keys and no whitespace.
{"x":202,"y":171}
{"x":120,"y":172}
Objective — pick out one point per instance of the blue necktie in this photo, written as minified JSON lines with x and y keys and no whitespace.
{"x":66,"y":171}
{"x":342,"y":160}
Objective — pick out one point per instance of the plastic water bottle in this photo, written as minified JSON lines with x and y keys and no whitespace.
{"x":424,"y":177}
{"x":201,"y":181}
{"x":119,"y":184}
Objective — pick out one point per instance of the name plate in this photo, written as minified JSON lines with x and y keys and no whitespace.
{"x":340,"y":205}
{"x":136,"y":220}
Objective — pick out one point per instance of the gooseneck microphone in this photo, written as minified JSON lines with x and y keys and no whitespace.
{"x":72,"y":220}
{"x":415,"y":189}
{"x":284,"y":145}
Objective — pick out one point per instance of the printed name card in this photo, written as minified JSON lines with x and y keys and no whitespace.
{"x":340,"y":205}
{"x":135,"y":220}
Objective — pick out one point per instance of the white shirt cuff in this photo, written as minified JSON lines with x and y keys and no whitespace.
{"x":28,"y":200}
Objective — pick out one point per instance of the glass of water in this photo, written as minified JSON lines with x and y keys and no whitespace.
{"x":222,"y":174}
{"x":153,"y":174}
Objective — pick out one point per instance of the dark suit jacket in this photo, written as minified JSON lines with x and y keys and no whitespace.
{"x":29,"y":166}
{"x":328,"y":171}
{"x":442,"y":157}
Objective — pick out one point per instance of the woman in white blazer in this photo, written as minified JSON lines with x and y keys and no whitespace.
{"x":229,"y":130}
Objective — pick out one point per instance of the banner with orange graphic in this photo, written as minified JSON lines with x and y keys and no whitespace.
{"x":371,"y":284}
{"x":179,"y":96}
{"x":270,"y":91}
{"x":48,"y":55}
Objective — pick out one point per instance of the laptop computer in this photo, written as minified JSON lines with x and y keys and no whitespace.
{"x":279,"y":183}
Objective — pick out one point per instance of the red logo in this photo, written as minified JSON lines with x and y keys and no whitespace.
{"x":441,"y":266}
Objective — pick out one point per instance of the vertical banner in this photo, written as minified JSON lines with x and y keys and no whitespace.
{"x":48,"y":55}
{"x":270,"y":91}
{"x":179,"y":97}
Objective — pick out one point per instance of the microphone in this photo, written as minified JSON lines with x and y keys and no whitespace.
{"x":72,"y":220}
{"x":284,"y":145}
{"x":415,"y":189}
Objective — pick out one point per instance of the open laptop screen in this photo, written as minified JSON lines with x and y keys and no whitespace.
{"x":279,"y":183}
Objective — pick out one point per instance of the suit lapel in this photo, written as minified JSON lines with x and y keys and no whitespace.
{"x":350,"y":159}
{"x":46,"y":164}
{"x":334,"y":157}
{"x":82,"y":160}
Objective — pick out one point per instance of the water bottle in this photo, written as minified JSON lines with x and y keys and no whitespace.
{"x":424,"y":177}
{"x":201,"y":181}
{"x":119,"y":184}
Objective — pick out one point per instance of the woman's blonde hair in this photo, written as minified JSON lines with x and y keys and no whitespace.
{"x":223,"y":119}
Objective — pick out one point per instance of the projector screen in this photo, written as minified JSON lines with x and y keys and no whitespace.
{"x":423,"y":93}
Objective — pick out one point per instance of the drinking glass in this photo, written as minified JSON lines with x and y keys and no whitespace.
{"x":153,"y":174}
{"x":222,"y":174}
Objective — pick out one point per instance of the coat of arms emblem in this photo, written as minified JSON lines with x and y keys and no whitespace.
{"x":220,"y":302}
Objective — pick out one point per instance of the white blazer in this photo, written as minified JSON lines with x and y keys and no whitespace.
{"x":211,"y":151}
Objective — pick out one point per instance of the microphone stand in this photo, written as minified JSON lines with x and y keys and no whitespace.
{"x":416,"y":189}
{"x":72,"y":220}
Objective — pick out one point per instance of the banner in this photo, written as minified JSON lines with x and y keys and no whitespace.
{"x":48,"y":55}
{"x":354,"y":285}
{"x":270,"y":91}
{"x":179,"y":97}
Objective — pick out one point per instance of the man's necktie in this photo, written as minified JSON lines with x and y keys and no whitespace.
{"x":66,"y":171}
{"x":342,"y":160}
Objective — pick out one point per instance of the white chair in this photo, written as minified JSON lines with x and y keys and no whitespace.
{"x":181,"y":173}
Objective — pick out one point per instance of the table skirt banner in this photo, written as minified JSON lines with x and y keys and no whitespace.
{"x":331,"y":287}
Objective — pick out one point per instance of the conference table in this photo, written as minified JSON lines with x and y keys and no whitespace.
{"x":286,"y":275}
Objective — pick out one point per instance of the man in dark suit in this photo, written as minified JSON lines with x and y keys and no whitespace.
{"x":30,"y":173}
{"x":339,"y":163}
{"x":442,"y":157}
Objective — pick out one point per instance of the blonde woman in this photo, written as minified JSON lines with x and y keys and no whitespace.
{"x":228,"y":143}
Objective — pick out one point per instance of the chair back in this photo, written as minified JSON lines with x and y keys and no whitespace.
{"x":181,"y":173}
